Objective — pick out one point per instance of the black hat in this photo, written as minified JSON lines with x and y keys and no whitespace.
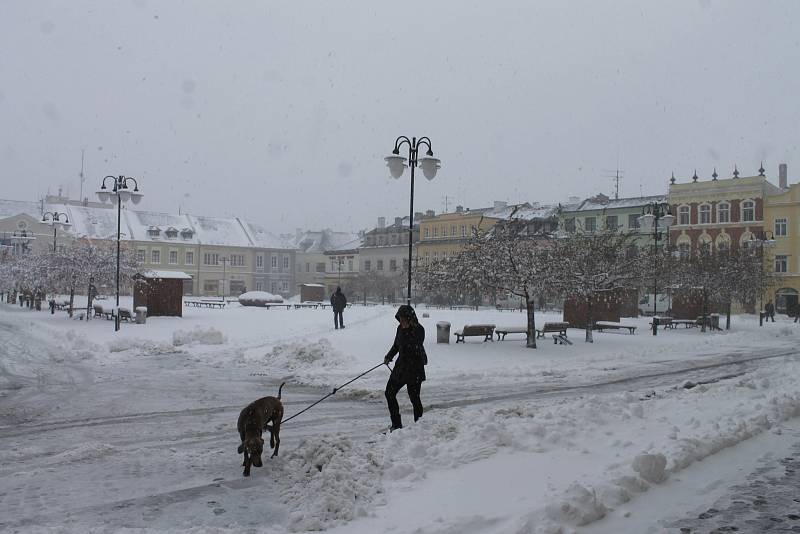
{"x":407,"y":312}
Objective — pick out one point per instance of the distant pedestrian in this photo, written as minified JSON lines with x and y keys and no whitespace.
{"x":769,"y":310}
{"x":409,"y":370}
{"x":338,"y":303}
{"x":794,"y":311}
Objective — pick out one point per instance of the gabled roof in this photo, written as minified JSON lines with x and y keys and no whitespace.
{"x":323,"y":241}
{"x":262,"y":238}
{"x":605,"y":203}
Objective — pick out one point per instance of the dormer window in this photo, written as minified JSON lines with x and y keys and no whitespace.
{"x":153,"y":231}
{"x":187,"y":233}
{"x":171,"y":233}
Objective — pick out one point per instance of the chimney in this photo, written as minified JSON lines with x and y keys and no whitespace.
{"x":783,"y":176}
{"x":459,"y":209}
{"x":381,"y":223}
{"x":499,"y":205}
{"x":430,"y":213}
{"x":398,"y":221}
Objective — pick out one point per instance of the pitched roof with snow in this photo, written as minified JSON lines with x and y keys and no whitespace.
{"x":323,"y":241}
{"x":9,"y":208}
{"x":600,"y":204}
{"x":263,"y":238}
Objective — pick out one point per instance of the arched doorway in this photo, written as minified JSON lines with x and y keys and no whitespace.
{"x":785,"y":300}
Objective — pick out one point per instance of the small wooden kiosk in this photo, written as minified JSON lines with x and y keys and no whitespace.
{"x":160,"y":291}
{"x":312,"y":293}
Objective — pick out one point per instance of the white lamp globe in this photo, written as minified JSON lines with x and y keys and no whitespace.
{"x":429,"y":166}
{"x":668,"y":220}
{"x":124,"y":195}
{"x":136,"y":197}
{"x":396,"y":164}
{"x":103,"y":195}
{"x":646,"y":221}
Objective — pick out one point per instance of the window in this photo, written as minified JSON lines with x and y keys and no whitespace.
{"x":633,"y":221}
{"x":274,"y":262}
{"x":780,"y":227}
{"x":723,"y":212}
{"x":684,"y":249}
{"x":453,"y":231}
{"x":683,"y":215}
{"x":186,"y":233}
{"x":260,"y":261}
{"x":463,"y":230}
{"x":435,"y":256}
{"x":781,"y":264}
{"x":210,"y":287}
{"x":444,"y":231}
{"x":286,"y":263}
{"x":171,"y":233}
{"x":379,"y":265}
{"x":367,"y":265}
{"x":274,"y":287}
{"x":427,"y":232}
{"x":569,"y":224}
{"x":237,"y":260}
{"x":381,"y":240}
{"x":308,"y":267}
{"x":320,"y":267}
{"x":590,"y":224}
{"x":173,"y":257}
{"x":210,"y":258}
{"x":285,"y":285}
{"x":141,"y":255}
{"x":153,"y":231}
{"x":704,"y":211}
{"x":189,"y":258}
{"x":435,"y":231}
{"x":748,"y":211}
{"x":155,"y":256}
{"x":393,"y":264}
{"x":612,"y":222}
{"x":350,"y":265}
{"x":259,"y":286}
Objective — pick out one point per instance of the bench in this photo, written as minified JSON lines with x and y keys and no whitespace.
{"x":664,"y":321}
{"x":125,"y":315}
{"x":98,"y":310}
{"x":687,"y":323}
{"x":306,"y":305}
{"x":509,"y":308}
{"x":560,"y":328}
{"x":477,"y":330}
{"x":504,"y":330}
{"x":463,"y":307}
{"x":600,"y":326}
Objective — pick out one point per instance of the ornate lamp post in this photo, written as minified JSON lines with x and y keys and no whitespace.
{"x":652,"y":213}
{"x":397,"y":164}
{"x":119,"y":193}
{"x":54,"y":218}
{"x":761,"y":239}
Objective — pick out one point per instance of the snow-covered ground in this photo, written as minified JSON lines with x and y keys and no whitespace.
{"x":108,"y":431}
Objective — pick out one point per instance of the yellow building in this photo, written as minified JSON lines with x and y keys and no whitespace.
{"x":441,"y":236}
{"x":782,"y":219}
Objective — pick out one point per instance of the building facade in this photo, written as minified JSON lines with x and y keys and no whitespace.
{"x":782,"y":224}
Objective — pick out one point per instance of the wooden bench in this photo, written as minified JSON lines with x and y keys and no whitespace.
{"x":306,"y":305}
{"x":666,"y":322}
{"x":600,"y":326}
{"x":125,"y":315}
{"x":463,"y":307}
{"x":509,"y":308}
{"x":477,"y":330}
{"x":504,"y":330}
{"x":560,"y":328}
{"x":687,"y":323}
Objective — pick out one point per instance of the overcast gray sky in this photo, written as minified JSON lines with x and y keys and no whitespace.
{"x":282,"y":112}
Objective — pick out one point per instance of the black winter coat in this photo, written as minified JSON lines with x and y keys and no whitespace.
{"x":410,"y":365}
{"x":338,"y":302}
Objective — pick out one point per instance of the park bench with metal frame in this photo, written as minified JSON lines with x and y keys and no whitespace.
{"x":475,"y":330}
{"x":604,"y":325}
{"x":505,"y":330}
{"x":560,"y":328}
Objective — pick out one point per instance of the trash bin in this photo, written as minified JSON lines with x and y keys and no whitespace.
{"x":141,"y":314}
{"x":442,"y":332}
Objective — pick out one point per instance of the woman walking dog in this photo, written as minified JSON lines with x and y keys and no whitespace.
{"x":410,"y":368}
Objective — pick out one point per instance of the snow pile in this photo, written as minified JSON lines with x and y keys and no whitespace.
{"x":141,"y":346}
{"x":198,"y":336}
{"x":308,"y":362}
{"x":579,"y":507}
{"x":332,"y":481}
{"x":259,"y":298}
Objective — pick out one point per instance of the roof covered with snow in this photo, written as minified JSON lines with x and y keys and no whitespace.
{"x":167,"y":274}
{"x":323,"y":241}
{"x":602,"y":202}
{"x":9,"y":208}
{"x":263,"y":238}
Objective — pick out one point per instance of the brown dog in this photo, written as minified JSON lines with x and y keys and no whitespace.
{"x":253,"y":420}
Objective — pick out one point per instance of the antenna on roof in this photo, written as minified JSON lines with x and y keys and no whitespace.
{"x":615,"y":175}
{"x":82,"y":177}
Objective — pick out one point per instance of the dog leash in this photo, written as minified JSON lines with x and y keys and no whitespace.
{"x":334,"y":391}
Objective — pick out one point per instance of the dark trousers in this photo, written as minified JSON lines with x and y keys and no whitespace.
{"x":338,"y":320}
{"x":771,"y":316}
{"x":392,"y":387}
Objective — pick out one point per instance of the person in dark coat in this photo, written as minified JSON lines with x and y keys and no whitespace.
{"x":769,"y":310}
{"x":409,"y":370}
{"x":338,"y":303}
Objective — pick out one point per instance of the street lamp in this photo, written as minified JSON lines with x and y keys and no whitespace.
{"x":119,"y":193}
{"x":397,"y":164}
{"x":55,"y":220}
{"x":651,"y":214}
{"x":761,"y":239}
{"x":224,"y":261}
